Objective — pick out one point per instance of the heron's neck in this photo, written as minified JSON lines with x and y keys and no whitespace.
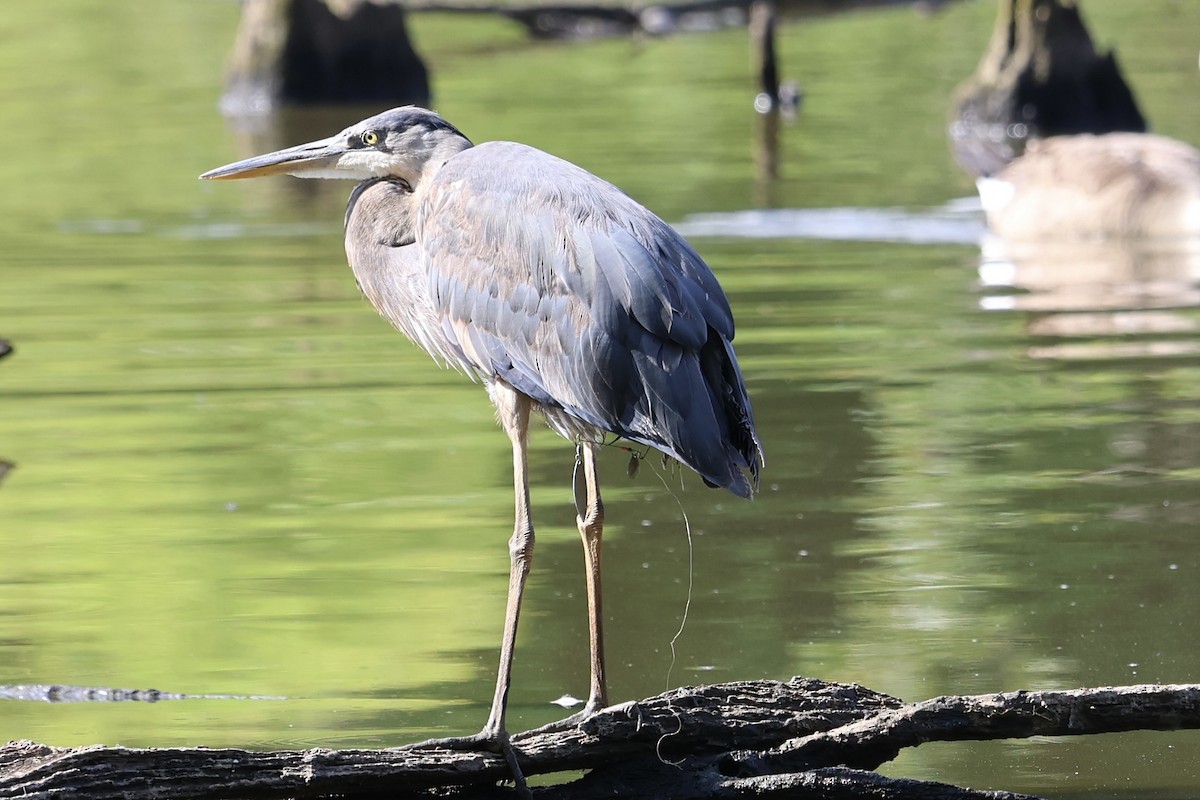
{"x":433,"y":160}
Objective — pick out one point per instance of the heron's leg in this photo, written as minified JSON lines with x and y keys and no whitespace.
{"x":590,"y":519}
{"x":512,"y":409}
{"x":589,"y":509}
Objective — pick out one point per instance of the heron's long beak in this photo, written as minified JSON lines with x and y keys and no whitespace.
{"x":318,"y":156}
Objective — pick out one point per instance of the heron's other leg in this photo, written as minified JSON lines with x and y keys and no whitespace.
{"x":589,"y":509}
{"x":590,"y":519}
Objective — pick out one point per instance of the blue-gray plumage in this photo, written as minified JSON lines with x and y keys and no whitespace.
{"x":557,"y":290}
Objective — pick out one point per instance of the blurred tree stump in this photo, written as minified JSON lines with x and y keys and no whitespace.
{"x":804,"y":738}
{"x":308,"y":52}
{"x":1041,"y":76}
{"x":586,"y":19}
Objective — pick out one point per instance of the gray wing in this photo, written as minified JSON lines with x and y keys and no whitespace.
{"x":558,"y":283}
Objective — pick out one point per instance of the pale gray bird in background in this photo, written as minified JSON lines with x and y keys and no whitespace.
{"x":558,"y":291}
{"x":1090,"y":187}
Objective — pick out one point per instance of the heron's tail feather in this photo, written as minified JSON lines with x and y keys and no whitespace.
{"x":699,"y":413}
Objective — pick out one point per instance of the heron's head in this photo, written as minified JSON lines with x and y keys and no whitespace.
{"x":398,"y":143}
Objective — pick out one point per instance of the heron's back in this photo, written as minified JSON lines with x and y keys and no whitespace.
{"x":546,"y":277}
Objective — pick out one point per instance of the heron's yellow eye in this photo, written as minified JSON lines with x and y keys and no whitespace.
{"x":370,"y":138}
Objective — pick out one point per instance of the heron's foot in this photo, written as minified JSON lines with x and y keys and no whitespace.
{"x":566,"y":723}
{"x":491,"y":741}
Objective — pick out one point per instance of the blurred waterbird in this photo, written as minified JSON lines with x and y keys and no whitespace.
{"x":1109,"y":186}
{"x":562,"y":295}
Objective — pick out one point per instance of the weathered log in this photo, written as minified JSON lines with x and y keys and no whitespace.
{"x":1041,"y":76}
{"x":703,"y":720}
{"x":872,"y":741}
{"x":803,"y":738}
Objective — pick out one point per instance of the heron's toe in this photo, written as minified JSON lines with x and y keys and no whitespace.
{"x":566,"y":723}
{"x":492,"y":741}
{"x":479,"y":741}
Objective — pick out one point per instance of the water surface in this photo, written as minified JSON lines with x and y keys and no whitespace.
{"x":232,"y":478}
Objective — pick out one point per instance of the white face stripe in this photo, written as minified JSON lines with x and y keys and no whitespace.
{"x":354,"y":165}
{"x":367,"y":163}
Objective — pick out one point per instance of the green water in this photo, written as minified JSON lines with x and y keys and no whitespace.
{"x":233,"y":478}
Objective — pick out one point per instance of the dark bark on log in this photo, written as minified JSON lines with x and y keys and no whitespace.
{"x":870,"y":742}
{"x":804,"y":738}
{"x":1041,"y":76}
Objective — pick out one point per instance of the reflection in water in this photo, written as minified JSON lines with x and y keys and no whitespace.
{"x":957,"y":222}
{"x":1134,"y":306}
{"x":768,"y":132}
{"x":766,"y":156}
{"x":1106,"y":299}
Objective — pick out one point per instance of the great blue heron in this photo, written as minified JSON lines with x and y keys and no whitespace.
{"x":558,"y":291}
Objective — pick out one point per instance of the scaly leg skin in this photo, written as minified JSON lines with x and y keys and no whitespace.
{"x":512,"y":409}
{"x":590,"y":519}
